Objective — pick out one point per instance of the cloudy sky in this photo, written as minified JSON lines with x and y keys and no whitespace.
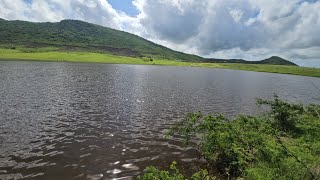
{"x":249,"y":29}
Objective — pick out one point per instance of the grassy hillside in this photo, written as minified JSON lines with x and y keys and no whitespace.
{"x":77,"y":35}
{"x":50,"y":54}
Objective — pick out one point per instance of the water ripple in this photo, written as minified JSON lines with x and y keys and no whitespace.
{"x":94,"y":121}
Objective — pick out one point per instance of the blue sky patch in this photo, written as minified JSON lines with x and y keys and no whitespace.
{"x":28,"y":1}
{"x":125,"y":6}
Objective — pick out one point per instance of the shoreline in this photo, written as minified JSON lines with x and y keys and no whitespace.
{"x":90,"y":57}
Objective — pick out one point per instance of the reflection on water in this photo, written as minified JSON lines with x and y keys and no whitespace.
{"x":97,"y":121}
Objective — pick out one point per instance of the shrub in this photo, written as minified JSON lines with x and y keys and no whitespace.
{"x":153,"y":173}
{"x":261,"y":147}
{"x":284,"y":115}
{"x":230,"y":146}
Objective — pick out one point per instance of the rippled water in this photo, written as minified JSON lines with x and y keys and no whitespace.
{"x":98,"y":121}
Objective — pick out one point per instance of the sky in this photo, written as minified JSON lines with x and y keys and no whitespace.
{"x":124,"y":6}
{"x":247,"y":29}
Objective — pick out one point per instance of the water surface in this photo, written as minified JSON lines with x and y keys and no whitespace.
{"x":100,"y":121}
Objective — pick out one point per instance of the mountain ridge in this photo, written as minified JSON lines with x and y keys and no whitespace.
{"x":76,"y":35}
{"x":273,"y":60}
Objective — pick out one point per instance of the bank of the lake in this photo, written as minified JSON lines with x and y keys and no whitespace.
{"x":53,"y":55}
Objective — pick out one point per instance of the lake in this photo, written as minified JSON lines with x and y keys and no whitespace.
{"x":102,"y":121}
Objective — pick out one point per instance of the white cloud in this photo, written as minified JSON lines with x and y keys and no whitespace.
{"x":94,"y":11}
{"x":251,"y":29}
{"x":13,"y":9}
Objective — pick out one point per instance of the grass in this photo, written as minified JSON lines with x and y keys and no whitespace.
{"x":82,"y":35}
{"x":53,"y":54}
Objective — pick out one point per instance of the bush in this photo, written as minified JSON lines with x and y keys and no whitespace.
{"x":283,"y":114}
{"x":230,"y":146}
{"x":282,"y":144}
{"x":153,"y":173}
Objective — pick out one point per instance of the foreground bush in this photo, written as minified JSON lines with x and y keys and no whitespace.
{"x":282,"y":144}
{"x":153,"y":173}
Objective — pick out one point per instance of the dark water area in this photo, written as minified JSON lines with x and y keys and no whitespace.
{"x":100,"y":121}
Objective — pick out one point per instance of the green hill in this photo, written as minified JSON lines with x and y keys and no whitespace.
{"x":78,"y":35}
{"x":277,"y":61}
{"x":75,"y":35}
{"x":274,"y":60}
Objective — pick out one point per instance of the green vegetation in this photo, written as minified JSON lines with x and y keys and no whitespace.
{"x":174,"y":174}
{"x":281,"y":144}
{"x":52,"y":54}
{"x":74,"y":35}
{"x":79,"y":36}
{"x":294,"y":70}
{"x":274,"y":60}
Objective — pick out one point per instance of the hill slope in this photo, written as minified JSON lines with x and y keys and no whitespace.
{"x":74,"y":34}
{"x":277,"y":61}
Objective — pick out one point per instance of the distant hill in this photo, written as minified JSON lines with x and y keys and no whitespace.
{"x":274,"y":60}
{"x":75,"y":35}
{"x":277,"y":61}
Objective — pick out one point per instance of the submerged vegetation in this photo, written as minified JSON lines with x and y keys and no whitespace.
{"x":281,"y":144}
{"x":53,"y":54}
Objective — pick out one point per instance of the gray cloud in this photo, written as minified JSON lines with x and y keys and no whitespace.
{"x":250,"y":29}
{"x":184,"y":19}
